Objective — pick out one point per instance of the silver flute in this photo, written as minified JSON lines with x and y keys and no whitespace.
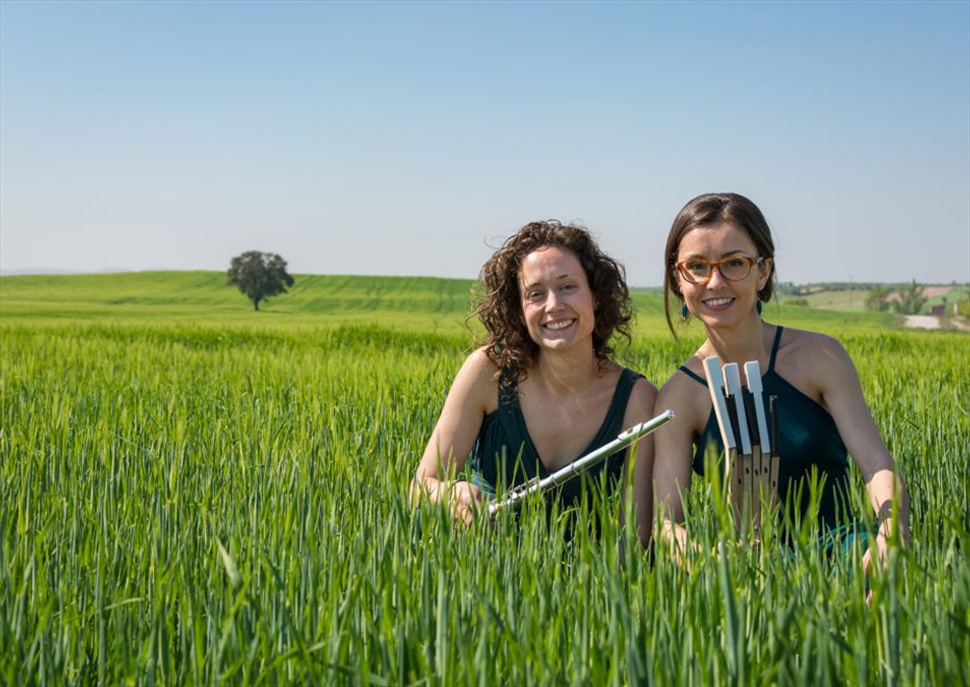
{"x":581,"y":464}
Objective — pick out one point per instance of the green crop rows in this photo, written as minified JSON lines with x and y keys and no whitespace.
{"x":192,"y":493}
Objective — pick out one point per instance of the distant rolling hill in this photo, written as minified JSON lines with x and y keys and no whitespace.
{"x":412,"y":302}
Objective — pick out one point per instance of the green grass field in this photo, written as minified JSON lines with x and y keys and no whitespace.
{"x":196,"y":493}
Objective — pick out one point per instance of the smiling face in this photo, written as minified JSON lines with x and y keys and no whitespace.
{"x":711,"y":210}
{"x":721,"y":302}
{"x":557,"y":303}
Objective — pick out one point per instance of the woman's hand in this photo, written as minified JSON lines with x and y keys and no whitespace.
{"x":878,"y":552}
{"x":464,"y":501}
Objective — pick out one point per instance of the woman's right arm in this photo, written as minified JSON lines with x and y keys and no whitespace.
{"x":672,"y":463}
{"x":472,"y":394}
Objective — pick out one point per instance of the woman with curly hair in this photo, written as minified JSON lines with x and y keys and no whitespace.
{"x":541,"y":389}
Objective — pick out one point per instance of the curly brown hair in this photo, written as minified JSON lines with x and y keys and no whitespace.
{"x":499,"y":304}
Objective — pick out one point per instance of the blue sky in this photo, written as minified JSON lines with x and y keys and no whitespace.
{"x":410,"y":138}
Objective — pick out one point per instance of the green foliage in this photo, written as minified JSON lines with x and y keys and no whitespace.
{"x":222,"y":500}
{"x":961,"y":298}
{"x":259,"y":275}
{"x":911,"y":299}
{"x":797,"y":301}
{"x":878,"y":298}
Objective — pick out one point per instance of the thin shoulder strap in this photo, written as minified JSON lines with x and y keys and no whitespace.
{"x":774,"y":348}
{"x":621,"y":397}
{"x":696,"y":377}
{"x":624,"y":387}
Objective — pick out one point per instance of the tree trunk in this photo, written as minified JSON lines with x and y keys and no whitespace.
{"x":256,"y":305}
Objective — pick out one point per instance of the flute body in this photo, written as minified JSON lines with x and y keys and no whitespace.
{"x":581,"y":464}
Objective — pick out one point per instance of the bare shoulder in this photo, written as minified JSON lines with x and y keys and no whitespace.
{"x":644,"y":389}
{"x":815,"y":363}
{"x":686,"y":397}
{"x":672,"y":385}
{"x":802,"y":338}
{"x":477,"y":380}
{"x":694,"y":363}
{"x":679,"y":383}
{"x":479,"y":364}
{"x":800,"y":348}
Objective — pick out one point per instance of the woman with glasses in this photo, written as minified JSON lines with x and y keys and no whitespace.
{"x":720,"y":268}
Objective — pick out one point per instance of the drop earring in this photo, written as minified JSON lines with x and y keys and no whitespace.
{"x":758,"y":306}
{"x":684,"y":312}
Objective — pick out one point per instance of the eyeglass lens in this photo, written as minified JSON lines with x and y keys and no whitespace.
{"x":733,"y":269}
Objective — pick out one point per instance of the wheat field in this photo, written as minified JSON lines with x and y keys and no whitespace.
{"x":194,"y":494}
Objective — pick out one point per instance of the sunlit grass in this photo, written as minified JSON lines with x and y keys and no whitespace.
{"x":223,"y":501}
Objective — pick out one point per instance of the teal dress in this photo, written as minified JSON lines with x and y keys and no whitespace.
{"x":504,"y":455}
{"x":807,"y":439}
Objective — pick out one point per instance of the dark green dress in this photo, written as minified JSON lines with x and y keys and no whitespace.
{"x":807,"y":438}
{"x":504,"y":455}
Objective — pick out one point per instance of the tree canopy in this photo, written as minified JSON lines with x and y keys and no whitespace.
{"x":259,"y":275}
{"x":878,"y":298}
{"x":911,"y":299}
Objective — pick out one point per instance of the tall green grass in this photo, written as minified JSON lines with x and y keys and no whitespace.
{"x":222,"y":500}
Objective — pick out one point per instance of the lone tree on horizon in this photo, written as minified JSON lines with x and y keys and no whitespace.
{"x":259,"y":275}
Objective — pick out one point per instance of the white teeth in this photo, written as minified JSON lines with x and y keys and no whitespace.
{"x":562,"y":324}
{"x":719,"y":301}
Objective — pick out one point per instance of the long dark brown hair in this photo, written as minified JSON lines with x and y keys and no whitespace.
{"x":714,"y":208}
{"x":499,"y":303}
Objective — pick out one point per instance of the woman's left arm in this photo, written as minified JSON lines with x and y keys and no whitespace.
{"x":640,"y":408}
{"x":842,"y":394}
